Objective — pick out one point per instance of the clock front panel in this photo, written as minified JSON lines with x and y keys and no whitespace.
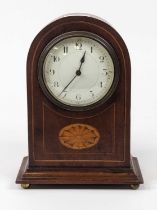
{"x":72,"y":141}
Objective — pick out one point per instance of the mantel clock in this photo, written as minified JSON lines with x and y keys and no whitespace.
{"x":78,"y":85}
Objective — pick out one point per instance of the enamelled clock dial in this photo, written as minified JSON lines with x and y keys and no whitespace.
{"x":78,"y":92}
{"x":78,"y":70}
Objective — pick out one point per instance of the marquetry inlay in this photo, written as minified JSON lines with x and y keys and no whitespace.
{"x":79,"y":136}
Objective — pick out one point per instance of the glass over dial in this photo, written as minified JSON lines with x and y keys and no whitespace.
{"x":78,"y":71}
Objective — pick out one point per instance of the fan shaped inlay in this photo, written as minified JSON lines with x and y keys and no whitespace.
{"x":79,"y":136}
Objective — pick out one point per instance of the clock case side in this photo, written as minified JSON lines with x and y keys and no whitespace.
{"x":128,"y":171}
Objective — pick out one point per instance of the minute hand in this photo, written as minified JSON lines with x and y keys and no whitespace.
{"x":78,"y":72}
{"x":68,"y":85}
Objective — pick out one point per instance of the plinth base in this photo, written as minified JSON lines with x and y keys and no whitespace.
{"x":86,"y":176}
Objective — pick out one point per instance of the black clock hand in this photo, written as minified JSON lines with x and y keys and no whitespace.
{"x":78,"y":72}
{"x":68,"y":85}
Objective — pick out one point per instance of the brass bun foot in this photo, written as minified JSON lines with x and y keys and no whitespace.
{"x":25,"y":186}
{"x":134,"y":186}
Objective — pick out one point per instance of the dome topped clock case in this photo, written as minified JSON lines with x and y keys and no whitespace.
{"x":78,"y":84}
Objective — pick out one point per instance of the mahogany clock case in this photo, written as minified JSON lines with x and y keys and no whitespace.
{"x":107,"y":162}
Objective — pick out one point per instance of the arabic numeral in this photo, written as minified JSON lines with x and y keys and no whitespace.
{"x":78,"y":45}
{"x":65,"y":49}
{"x":91,"y":93}
{"x":56,"y":58}
{"x":56,"y":84}
{"x":52,"y":71}
{"x":78,"y":97}
{"x":101,"y":58}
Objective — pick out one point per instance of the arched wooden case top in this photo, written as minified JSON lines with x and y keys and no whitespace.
{"x":105,"y":128}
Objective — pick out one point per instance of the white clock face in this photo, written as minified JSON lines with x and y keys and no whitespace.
{"x":78,"y":71}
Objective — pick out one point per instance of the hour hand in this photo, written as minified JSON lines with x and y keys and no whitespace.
{"x":83,"y":58}
{"x":78,"y":72}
